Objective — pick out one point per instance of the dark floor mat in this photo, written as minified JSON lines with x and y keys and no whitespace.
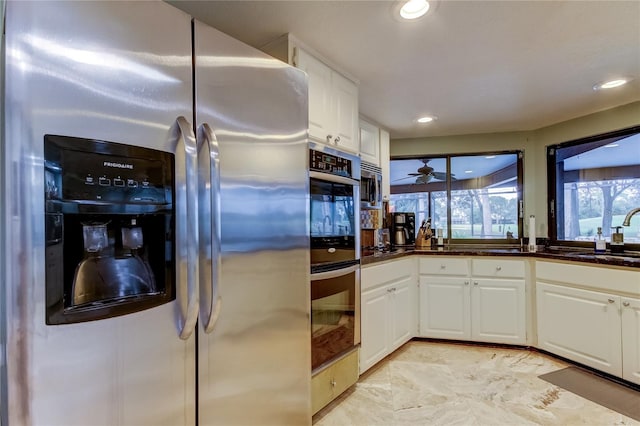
{"x":607,"y":393}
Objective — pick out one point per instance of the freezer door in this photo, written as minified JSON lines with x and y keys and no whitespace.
{"x":113,"y":71}
{"x":254,"y":364}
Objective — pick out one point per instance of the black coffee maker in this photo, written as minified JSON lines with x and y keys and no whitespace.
{"x":403,"y":229}
{"x":109,"y":217}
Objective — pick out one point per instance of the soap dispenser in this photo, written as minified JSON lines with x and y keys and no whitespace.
{"x":600,"y":243}
{"x":617,"y":239}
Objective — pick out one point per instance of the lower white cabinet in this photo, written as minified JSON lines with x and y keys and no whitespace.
{"x":590,"y":315}
{"x":456,"y":303}
{"x":631,"y":339}
{"x":388,"y":309}
{"x":581,"y":325}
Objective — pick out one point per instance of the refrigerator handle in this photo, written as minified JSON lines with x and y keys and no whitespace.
{"x":186,"y":228}
{"x":209,"y":173}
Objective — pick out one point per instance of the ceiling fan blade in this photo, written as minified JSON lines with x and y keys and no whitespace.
{"x":407,"y":177}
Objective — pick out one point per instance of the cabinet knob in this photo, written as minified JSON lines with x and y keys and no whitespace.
{"x":329,"y":137}
{"x":337,"y":139}
{"x":443,"y":267}
{"x":625,"y":303}
{"x":498,"y":268}
{"x":333,"y":383}
{"x":466,"y":283}
{"x":611,"y":301}
{"x":475,"y":283}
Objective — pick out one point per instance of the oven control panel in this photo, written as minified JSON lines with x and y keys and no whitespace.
{"x":329,"y":163}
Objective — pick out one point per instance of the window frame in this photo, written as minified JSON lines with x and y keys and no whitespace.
{"x":517,"y":241}
{"x":552,"y":184}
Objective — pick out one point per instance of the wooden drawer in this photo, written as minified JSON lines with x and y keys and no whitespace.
{"x":333,"y":380}
{"x":497,"y":267}
{"x":439,"y":265}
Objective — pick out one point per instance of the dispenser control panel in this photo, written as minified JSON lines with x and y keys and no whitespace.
{"x":85,"y":172}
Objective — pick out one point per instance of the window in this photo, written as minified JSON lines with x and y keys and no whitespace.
{"x":471,"y":197}
{"x":593,"y":183}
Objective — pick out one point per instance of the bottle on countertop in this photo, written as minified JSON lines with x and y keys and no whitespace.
{"x":600,"y":243}
{"x":617,"y":239}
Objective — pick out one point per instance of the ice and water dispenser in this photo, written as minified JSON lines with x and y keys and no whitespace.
{"x":109,"y":229}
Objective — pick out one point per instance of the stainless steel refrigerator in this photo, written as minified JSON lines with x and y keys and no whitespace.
{"x":227,"y":342}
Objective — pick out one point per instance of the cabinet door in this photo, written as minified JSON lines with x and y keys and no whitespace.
{"x":401,"y":313}
{"x":498,"y":311}
{"x":345,"y":113}
{"x":374,"y":314}
{"x":631,"y":339}
{"x":369,"y":143}
{"x":580,"y":325}
{"x":444,"y":307}
{"x":319,"y":95}
{"x":384,"y":164}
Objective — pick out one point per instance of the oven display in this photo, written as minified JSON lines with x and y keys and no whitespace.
{"x":328,"y":163}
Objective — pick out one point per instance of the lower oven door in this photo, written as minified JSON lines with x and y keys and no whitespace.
{"x":335,"y":314}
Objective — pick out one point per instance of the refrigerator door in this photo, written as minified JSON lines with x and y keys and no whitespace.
{"x":254,"y":366}
{"x":113,"y":71}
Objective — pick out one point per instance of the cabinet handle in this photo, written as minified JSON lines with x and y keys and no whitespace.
{"x":337,"y":139}
{"x":625,"y":303}
{"x":498,"y":268}
{"x":389,"y":290}
{"x":333,"y":383}
{"x":466,"y":283}
{"x":329,"y":137}
{"x":443,"y":267}
{"x":611,"y":300}
{"x":475,"y":283}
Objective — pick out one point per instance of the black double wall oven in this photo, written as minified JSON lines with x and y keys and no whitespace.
{"x":335,"y":254}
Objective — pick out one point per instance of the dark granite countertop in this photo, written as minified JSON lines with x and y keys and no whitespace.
{"x":627,"y":259}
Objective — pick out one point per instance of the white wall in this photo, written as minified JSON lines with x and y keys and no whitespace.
{"x":533,"y":143}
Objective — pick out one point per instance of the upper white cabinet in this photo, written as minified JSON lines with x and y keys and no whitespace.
{"x":384,"y":164}
{"x":473,"y":299}
{"x":333,"y":97}
{"x":388,"y":309}
{"x":369,"y":143}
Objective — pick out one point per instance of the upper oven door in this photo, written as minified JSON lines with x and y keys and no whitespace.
{"x":333,"y":219}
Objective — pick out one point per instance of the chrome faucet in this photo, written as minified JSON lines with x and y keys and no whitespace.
{"x":627,"y":219}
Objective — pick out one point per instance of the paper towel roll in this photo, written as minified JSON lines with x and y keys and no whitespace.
{"x":532,"y":233}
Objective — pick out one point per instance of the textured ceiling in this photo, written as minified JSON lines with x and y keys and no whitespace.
{"x":479,"y":66}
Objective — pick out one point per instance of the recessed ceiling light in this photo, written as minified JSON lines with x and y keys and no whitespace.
{"x":413,"y":9}
{"x":611,"y":145}
{"x":610,"y":84}
{"x":426,"y":119}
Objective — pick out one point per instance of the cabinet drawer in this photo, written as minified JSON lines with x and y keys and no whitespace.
{"x":497,"y":268}
{"x":438,"y":265}
{"x":377,"y":275}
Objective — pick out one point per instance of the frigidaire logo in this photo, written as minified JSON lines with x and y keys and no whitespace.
{"x":118,"y":165}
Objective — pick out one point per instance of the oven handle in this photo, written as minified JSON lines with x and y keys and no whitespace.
{"x":333,"y":178}
{"x":334,"y":274}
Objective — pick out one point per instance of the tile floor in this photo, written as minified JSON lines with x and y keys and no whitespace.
{"x":432,"y":383}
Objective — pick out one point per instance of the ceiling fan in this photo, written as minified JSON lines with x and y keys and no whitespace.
{"x":426,"y":173}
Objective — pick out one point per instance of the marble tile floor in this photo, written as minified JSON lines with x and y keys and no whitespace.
{"x":433,"y":383}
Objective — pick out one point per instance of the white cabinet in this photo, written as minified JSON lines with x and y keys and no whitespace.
{"x":369,"y":143}
{"x":388,"y":309}
{"x":631,"y":339}
{"x":581,"y":325}
{"x":333,"y":104}
{"x":473,"y":299}
{"x":590,"y":315}
{"x":384,"y":164}
{"x":333,"y":97}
